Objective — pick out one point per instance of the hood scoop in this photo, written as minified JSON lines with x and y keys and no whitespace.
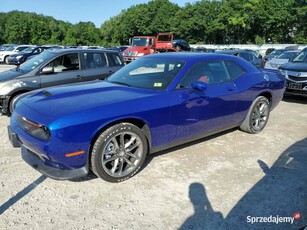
{"x":44,"y":93}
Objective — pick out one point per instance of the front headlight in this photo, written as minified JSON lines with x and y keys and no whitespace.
{"x":19,"y":56}
{"x":283,"y":72}
{"x":140,"y":54}
{"x":34,"y":129}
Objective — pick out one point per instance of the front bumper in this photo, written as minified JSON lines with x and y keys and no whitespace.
{"x":128,"y":59}
{"x":14,"y":61}
{"x":55,"y":173}
{"x":296,"y":83}
{"x":38,"y":162}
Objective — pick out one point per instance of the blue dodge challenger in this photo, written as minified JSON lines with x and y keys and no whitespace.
{"x":156,"y":102}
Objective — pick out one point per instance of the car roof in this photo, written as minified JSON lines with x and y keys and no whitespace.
{"x":188,"y":56}
{"x":71,"y":50}
{"x":292,"y":51}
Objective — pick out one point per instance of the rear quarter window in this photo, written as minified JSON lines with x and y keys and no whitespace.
{"x":234,"y":70}
{"x":114,"y":59}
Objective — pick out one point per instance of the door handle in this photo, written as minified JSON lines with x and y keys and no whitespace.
{"x":78,"y":77}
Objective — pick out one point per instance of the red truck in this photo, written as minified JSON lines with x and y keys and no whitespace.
{"x":144,"y":45}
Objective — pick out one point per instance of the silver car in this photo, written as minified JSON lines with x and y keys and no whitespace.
{"x":281,"y":59}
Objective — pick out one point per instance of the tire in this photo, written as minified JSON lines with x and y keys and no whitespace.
{"x":6,"y":61}
{"x":119,"y":152}
{"x":257,"y":116}
{"x":12,"y":102}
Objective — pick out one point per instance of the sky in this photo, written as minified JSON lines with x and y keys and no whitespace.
{"x":74,"y":11}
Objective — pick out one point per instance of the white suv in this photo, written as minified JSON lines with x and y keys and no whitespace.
{"x":11,"y":50}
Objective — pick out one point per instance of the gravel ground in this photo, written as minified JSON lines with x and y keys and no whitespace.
{"x":221,"y":182}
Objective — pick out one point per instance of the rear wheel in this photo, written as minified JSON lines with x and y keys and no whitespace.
{"x":257,"y":116}
{"x":119,"y":152}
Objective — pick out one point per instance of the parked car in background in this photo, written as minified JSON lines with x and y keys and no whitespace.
{"x":202,"y":49}
{"x":295,"y":72}
{"x":11,"y":50}
{"x":56,"y":67}
{"x":21,"y":57}
{"x":5,"y":46}
{"x":181,"y":45}
{"x":156,"y":102}
{"x":269,"y":50}
{"x":281,"y":59}
{"x":247,"y":55}
{"x":120,"y":49}
{"x":274,"y":54}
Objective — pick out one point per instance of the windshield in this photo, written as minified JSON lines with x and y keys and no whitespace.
{"x":148,"y":73}
{"x":11,"y":48}
{"x":139,"y":42}
{"x":28,"y":50}
{"x":276,"y":52}
{"x":35,"y":62}
{"x":287,"y":55}
{"x":301,"y":57}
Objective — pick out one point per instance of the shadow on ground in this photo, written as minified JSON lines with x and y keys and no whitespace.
{"x":21,"y":194}
{"x":280,"y":193}
{"x":295,"y":99}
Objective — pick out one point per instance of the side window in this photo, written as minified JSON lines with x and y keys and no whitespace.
{"x":115,"y":60}
{"x":208,"y":72}
{"x":95,"y":60}
{"x":234,"y":70}
{"x":246,"y":56}
{"x":21,"y":48}
{"x":65,"y":62}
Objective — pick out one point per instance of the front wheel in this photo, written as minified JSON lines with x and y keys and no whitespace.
{"x":257,"y":116}
{"x":119,"y":152}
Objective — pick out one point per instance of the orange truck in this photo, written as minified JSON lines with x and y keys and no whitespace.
{"x":144,"y":45}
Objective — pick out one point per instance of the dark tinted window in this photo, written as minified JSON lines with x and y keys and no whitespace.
{"x":246,"y":56}
{"x":95,"y":60}
{"x":114,"y":59}
{"x":208,"y":72}
{"x":234,"y":70}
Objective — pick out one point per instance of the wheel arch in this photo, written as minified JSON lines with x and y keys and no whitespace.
{"x":142,"y":125}
{"x":13,"y":96}
{"x":266,"y":94}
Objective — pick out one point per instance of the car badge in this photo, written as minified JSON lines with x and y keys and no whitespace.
{"x":298,"y":74}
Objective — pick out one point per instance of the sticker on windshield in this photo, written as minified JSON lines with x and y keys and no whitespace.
{"x":158,"y":84}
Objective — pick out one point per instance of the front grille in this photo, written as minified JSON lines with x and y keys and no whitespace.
{"x":129,"y":53}
{"x":294,"y":78}
{"x":301,"y":92}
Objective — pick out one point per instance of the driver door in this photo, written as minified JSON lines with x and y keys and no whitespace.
{"x":195,"y":112}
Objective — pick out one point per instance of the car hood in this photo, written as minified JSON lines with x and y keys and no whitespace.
{"x":84,"y":100}
{"x":9,"y":75}
{"x":17,"y":54}
{"x":295,"y":66}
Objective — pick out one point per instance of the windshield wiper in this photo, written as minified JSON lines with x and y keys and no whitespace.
{"x":120,"y":83}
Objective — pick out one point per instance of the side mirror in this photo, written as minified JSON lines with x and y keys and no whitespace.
{"x":47,"y":70}
{"x":199,"y":86}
